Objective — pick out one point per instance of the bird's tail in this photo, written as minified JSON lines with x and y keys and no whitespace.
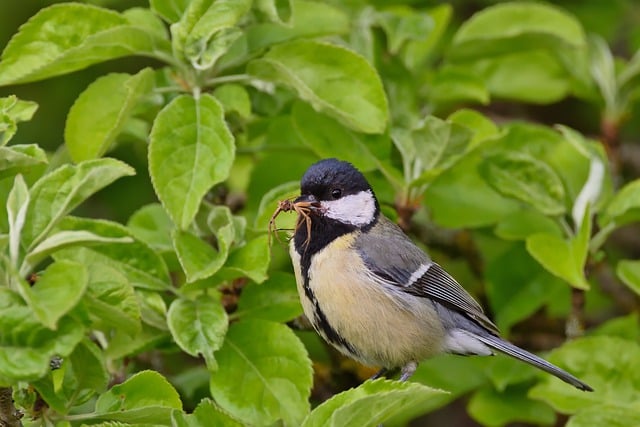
{"x":520,"y":354}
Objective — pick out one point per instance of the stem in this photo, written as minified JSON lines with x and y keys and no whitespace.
{"x":228,"y":79}
{"x":164,"y":57}
{"x":565,"y":226}
{"x":170,"y":89}
{"x":405,"y":213}
{"x":575,"y":322}
{"x":610,"y":136}
{"x":79,"y":417}
{"x":600,"y":237}
{"x":9,"y":415}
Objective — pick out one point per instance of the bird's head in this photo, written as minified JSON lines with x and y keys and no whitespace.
{"x":338,"y":192}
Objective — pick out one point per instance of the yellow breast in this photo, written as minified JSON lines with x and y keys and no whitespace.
{"x":386,"y":326}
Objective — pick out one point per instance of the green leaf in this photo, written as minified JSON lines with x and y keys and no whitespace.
{"x":563,"y":154}
{"x":17,"y":109}
{"x":59,"y":192}
{"x":511,"y":27}
{"x":206,"y":414}
{"x":504,"y":371}
{"x":279,"y":11}
{"x":251,"y":260}
{"x":517,"y":286}
{"x":471,"y":374}
{"x":525,"y":178}
{"x":64,"y":239}
{"x":526,"y":76}
{"x":454,"y":84}
{"x":276,"y":375}
{"x":67,"y":37}
{"x":151,"y":225}
{"x":431,"y":148}
{"x":12,"y":111}
{"x":17,"y":204}
{"x":144,"y":18}
{"x":111,"y":301}
{"x":370,"y":404}
{"x":20,"y":159}
{"x":234,"y":98}
{"x":608,"y":364}
{"x":226,"y":228}
{"x":190,"y":150}
{"x":481,"y":126}
{"x":402,"y":24}
{"x":198,"y":326}
{"x":624,"y":208}
{"x":26,"y":347}
{"x":170,"y":10}
{"x":123,"y":345}
{"x":309,"y":19}
{"x":276,"y":299}
{"x":606,"y":416}
{"x":603,"y":72}
{"x":418,"y":52}
{"x":629,"y":272}
{"x":320,"y":133}
{"x":524,"y":223}
{"x":140,"y":264}
{"x":199,"y":259}
{"x":626,"y":327}
{"x":100,"y":112}
{"x":86,"y":374}
{"x":321,"y":73}
{"x":191,"y":382}
{"x":202,"y":256}
{"x":57,"y":291}
{"x":146,"y":397}
{"x":207,"y":37}
{"x":525,"y":51}
{"x":480,"y":207}
{"x":563,"y":258}
{"x":119,"y":424}
{"x":153,"y":309}
{"x":492,"y":408}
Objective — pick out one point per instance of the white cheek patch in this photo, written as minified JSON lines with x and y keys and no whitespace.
{"x":355,"y":209}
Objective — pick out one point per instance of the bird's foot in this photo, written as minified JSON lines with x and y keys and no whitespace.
{"x":408,"y":370}
{"x":381,"y":373}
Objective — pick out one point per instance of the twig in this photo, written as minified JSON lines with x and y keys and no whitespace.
{"x":9,"y":415}
{"x":575,"y":322}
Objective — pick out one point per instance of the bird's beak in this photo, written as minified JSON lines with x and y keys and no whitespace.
{"x":307,"y":201}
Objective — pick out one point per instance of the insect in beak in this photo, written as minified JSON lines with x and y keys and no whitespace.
{"x":303,"y":206}
{"x":307,"y":201}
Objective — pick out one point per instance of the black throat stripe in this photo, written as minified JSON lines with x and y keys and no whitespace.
{"x":323,"y":232}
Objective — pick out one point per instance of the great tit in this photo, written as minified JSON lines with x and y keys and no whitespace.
{"x":374,"y":295}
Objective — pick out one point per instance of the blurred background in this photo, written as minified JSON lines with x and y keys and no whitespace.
{"x":616,"y":21}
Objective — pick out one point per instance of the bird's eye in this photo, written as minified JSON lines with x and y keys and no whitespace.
{"x":336,"y":193}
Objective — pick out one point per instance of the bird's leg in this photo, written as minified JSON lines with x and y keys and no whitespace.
{"x":408,"y":370}
{"x":381,"y":373}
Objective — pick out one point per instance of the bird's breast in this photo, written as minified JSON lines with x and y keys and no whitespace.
{"x":379,"y":323}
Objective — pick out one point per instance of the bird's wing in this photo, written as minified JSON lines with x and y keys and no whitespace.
{"x":406,"y":266}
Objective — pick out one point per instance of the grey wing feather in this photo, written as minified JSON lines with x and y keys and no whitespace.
{"x":395,"y":263}
{"x":438,"y":284}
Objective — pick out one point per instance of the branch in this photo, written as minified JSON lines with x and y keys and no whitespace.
{"x":9,"y":415}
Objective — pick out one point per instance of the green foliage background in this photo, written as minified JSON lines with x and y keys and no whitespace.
{"x":144,"y":147}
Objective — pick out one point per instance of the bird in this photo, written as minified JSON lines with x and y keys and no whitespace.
{"x":372,"y":293}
